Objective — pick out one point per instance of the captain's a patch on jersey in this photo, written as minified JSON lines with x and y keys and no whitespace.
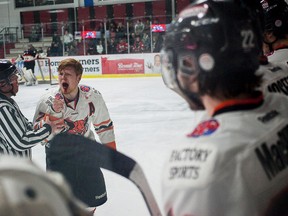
{"x":205,"y":128}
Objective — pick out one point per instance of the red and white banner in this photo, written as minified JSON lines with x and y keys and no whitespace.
{"x":122,"y":66}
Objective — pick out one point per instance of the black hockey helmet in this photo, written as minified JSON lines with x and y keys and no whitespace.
{"x":6,"y":69}
{"x":210,"y":38}
{"x":29,"y":53}
{"x":275,"y":17}
{"x":8,"y":73}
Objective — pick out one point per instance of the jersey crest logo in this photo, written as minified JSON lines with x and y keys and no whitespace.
{"x":85,"y":88}
{"x":205,"y":128}
{"x":79,"y":127}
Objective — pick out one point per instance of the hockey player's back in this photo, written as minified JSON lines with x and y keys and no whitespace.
{"x":234,"y":161}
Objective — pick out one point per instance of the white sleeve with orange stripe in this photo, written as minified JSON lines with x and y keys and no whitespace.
{"x":102,"y":122}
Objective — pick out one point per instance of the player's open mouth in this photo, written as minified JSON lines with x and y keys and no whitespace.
{"x":65,"y":85}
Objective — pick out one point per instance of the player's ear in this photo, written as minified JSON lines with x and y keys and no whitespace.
{"x":79,"y":77}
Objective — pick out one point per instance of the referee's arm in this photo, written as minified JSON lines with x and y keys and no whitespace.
{"x":17,"y":134}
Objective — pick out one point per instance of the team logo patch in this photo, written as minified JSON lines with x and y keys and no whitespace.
{"x":205,"y":128}
{"x":58,"y":96}
{"x":85,"y":88}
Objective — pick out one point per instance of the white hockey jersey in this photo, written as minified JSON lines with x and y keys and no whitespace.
{"x":234,"y":163}
{"x":89,"y":109}
{"x":275,"y":77}
{"x":280,"y":55}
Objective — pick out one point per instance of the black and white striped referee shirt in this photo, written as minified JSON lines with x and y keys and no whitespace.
{"x":17,"y":136}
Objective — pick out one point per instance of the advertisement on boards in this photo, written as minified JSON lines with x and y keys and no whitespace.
{"x":95,"y":65}
{"x":146,"y":63}
{"x":114,"y":65}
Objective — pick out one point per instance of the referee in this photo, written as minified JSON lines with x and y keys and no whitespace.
{"x":17,"y":136}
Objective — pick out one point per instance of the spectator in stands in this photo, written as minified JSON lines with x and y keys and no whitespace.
{"x":100,"y":48}
{"x":91,"y":50}
{"x":130,"y":27}
{"x":73,"y":49}
{"x":35,"y":33}
{"x":147,"y":26}
{"x":146,"y":41}
{"x":55,"y":36}
{"x":56,"y":48}
{"x":67,"y":40}
{"x":111,"y":25}
{"x":138,"y":46}
{"x":41,"y":53}
{"x":101,"y":29}
{"x":49,"y":51}
{"x":158,"y":42}
{"x":120,"y":30}
{"x":112,"y":46}
{"x":122,"y":46}
{"x":139,"y":27}
{"x":132,"y":38}
{"x":112,"y":33}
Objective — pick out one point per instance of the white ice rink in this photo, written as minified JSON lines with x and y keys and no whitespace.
{"x":147,"y":116}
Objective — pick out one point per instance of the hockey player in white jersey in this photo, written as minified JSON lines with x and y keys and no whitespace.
{"x":275,"y":23}
{"x":84,"y":112}
{"x":274,"y":65}
{"x":235,"y":161}
{"x":275,"y":76}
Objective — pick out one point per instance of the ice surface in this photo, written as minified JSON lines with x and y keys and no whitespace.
{"x":147,"y":116}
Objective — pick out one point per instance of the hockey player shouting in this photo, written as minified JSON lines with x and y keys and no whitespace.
{"x":235,"y":161}
{"x":17,"y":136}
{"x":78,"y":106}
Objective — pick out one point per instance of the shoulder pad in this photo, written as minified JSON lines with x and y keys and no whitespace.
{"x":85,"y":88}
{"x":88,"y":91}
{"x":96,"y":92}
